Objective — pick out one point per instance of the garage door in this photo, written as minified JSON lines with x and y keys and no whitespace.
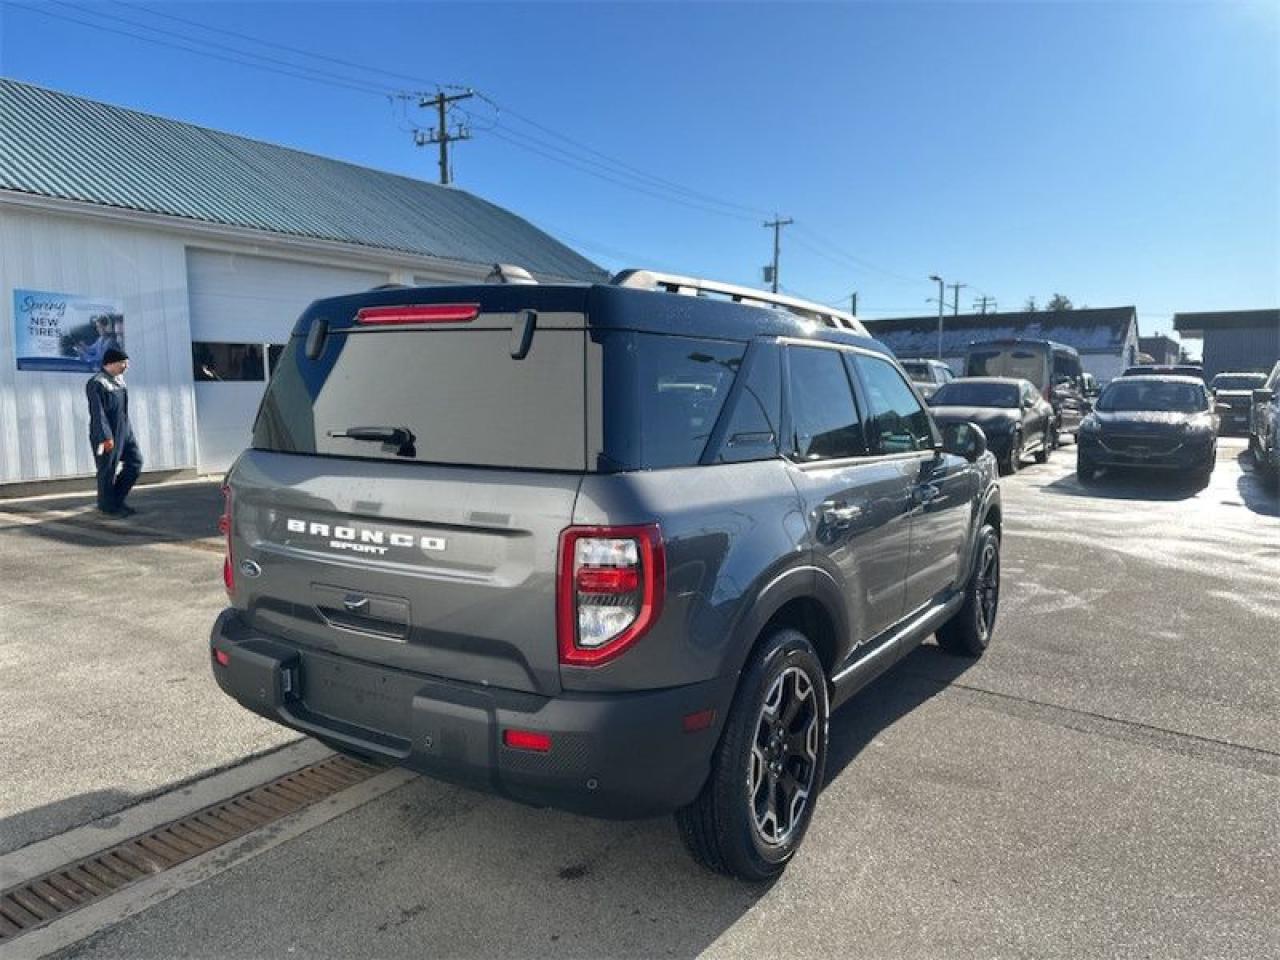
{"x":241,"y":306}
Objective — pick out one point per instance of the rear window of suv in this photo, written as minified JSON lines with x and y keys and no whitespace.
{"x":459,"y":392}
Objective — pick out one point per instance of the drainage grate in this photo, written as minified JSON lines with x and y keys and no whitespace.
{"x":62,"y":891}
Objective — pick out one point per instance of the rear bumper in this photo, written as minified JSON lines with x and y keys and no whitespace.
{"x":617,"y":756}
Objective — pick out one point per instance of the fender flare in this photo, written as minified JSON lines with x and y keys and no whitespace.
{"x":803,"y":581}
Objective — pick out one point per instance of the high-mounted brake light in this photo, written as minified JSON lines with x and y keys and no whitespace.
{"x":224,"y":527}
{"x":422,"y":313}
{"x":609,"y":590}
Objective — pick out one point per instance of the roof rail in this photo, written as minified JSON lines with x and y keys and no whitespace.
{"x":696,"y":287}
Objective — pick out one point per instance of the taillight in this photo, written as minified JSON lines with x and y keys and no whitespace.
{"x":424,"y":313}
{"x":224,"y":527}
{"x":609,"y":591}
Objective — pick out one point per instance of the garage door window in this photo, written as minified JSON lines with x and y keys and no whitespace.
{"x":221,"y":362}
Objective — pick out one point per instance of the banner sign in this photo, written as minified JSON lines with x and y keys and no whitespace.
{"x":65,"y":331}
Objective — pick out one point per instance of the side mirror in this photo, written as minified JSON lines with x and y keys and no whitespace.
{"x":1028,"y":403}
{"x":1222,"y":409}
{"x":964,"y":440}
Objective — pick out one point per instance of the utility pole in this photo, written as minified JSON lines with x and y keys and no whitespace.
{"x":942,"y":306}
{"x":777,"y":223}
{"x":440,"y":134}
{"x":955,"y":297}
{"x":853,"y":303}
{"x":983,"y":302}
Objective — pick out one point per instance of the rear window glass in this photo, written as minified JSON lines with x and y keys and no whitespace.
{"x":458,"y":392}
{"x":962,"y":394}
{"x":1019,"y":363}
{"x":918,"y":372}
{"x":662,"y":397}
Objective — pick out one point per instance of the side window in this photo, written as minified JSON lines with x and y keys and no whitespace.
{"x":1066,"y":365}
{"x":753,"y":427}
{"x":946,"y":375}
{"x":897,"y":423}
{"x":824,"y":417}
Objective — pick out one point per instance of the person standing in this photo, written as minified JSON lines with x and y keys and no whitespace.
{"x":114,"y":446}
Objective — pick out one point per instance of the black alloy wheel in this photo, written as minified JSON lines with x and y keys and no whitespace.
{"x":766,"y":773}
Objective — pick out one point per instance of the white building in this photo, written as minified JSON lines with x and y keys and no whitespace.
{"x":1106,"y":338}
{"x":197,"y":250}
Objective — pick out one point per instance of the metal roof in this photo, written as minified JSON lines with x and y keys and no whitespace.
{"x":57,"y":145}
{"x":1194,"y":324}
{"x":1100,"y":330}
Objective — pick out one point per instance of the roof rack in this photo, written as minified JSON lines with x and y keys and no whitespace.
{"x":696,"y":287}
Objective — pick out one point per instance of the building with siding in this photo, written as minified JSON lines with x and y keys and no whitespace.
{"x":197,"y":250}
{"x":1233,"y":339}
{"x":1106,"y":338}
{"x":1160,"y":349}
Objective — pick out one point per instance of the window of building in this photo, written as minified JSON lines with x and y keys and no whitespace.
{"x":221,"y":362}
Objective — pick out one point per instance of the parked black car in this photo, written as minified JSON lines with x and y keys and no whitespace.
{"x":1264,"y":427}
{"x":1053,"y":368}
{"x":927,"y":375}
{"x":1013,"y":415}
{"x":1165,"y":423}
{"x":1235,"y":390}
{"x":618,"y":549}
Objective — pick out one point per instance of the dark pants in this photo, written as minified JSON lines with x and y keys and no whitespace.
{"x":113,"y":488}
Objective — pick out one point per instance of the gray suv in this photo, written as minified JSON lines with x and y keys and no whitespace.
{"x":613,"y":548}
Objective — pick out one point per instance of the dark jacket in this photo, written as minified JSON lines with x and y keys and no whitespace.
{"x":108,"y":412}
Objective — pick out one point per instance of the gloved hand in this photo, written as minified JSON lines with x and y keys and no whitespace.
{"x":108,"y":446}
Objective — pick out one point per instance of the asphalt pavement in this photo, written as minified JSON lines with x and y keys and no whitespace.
{"x":1104,"y":782}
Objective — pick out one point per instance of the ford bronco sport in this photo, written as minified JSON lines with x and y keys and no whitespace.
{"x":615,"y":548}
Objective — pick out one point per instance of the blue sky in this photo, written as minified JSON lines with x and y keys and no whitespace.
{"x":1117,"y":153}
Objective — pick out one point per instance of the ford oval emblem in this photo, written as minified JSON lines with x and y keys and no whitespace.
{"x":250,"y":569}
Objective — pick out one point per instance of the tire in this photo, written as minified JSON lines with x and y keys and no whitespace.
{"x":1014,"y":460}
{"x":1086,"y":472}
{"x":1202,"y":478}
{"x":725,"y":827}
{"x":1046,"y":448}
{"x":968,"y":633}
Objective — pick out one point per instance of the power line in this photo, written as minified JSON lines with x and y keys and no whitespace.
{"x":359,"y":88}
{"x":364,"y":67}
{"x":635,"y":171}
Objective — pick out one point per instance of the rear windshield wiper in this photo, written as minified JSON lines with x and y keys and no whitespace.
{"x":401,"y":439}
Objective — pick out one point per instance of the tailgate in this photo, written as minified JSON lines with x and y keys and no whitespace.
{"x":441,"y":570}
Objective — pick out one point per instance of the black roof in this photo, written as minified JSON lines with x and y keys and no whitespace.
{"x":1194,"y":324}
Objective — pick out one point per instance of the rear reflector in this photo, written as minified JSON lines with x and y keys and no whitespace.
{"x":223,"y":658}
{"x":425,"y":313}
{"x":693,"y":722}
{"x":526,"y":740}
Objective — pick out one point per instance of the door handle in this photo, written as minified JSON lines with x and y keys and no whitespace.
{"x":927,"y":492}
{"x":837,"y":513}
{"x":355,"y":603}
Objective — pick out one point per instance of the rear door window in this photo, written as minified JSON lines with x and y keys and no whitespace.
{"x":825,"y":423}
{"x":896,"y":421}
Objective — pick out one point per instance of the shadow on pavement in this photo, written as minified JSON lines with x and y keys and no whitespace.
{"x":1253,"y":489}
{"x":1116,"y":483}
{"x":921,"y":675}
{"x":186,"y":513}
{"x":42,"y":822}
